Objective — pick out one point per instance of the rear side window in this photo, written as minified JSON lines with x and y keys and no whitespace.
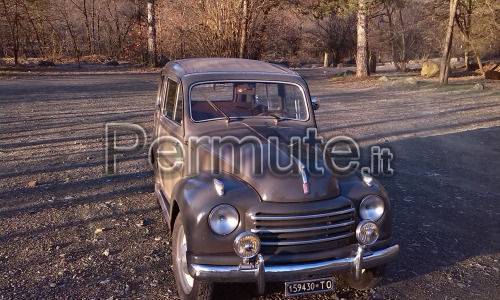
{"x":178,"y":107}
{"x":172,"y":107}
{"x":161,"y":92}
{"x":172,"y":88}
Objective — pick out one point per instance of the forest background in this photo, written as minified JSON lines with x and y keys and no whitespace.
{"x":296,"y":32}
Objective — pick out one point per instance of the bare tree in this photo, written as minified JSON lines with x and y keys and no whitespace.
{"x":244,"y":26}
{"x":463,"y":18}
{"x":445,"y":61}
{"x":12,"y":15}
{"x":362,"y":42}
{"x":337,"y":35}
{"x":151,"y":33}
{"x":69,"y":26}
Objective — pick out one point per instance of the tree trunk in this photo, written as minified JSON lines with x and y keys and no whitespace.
{"x":244,"y":26}
{"x":445,"y":61}
{"x":151,"y":33}
{"x":403,"y":43}
{"x":362,"y":42}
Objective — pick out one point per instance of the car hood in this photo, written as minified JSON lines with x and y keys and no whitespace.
{"x":275,"y":161}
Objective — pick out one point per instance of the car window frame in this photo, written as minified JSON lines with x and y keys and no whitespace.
{"x":301,"y":88}
{"x":177,"y":102}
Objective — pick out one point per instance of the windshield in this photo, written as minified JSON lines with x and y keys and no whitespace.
{"x":216,"y":100}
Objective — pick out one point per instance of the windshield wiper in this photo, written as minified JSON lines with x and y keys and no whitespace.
{"x":228,"y":118}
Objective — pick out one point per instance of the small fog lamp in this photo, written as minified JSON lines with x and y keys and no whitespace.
{"x":367,"y":232}
{"x":246,"y":245}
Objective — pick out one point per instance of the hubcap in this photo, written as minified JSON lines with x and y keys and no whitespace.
{"x":186,"y":280}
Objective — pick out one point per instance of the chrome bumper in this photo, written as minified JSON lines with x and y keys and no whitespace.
{"x":360,"y":259}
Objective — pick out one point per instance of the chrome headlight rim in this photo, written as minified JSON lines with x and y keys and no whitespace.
{"x":247,"y":238}
{"x":223,"y":219}
{"x":372,"y":208}
{"x":367,"y":232}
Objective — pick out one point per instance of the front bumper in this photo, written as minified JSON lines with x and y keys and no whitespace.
{"x":360,"y":259}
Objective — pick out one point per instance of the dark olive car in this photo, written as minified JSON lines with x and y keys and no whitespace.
{"x":249,"y":188}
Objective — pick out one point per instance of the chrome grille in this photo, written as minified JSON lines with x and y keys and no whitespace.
{"x":303,"y":229}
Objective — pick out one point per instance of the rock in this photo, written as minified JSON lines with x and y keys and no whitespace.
{"x":46,"y":63}
{"x":52,"y":284}
{"x":411,"y":81}
{"x":473,"y":66}
{"x":493,"y":75}
{"x":429,"y":69}
{"x":32,"y":183}
{"x":383,"y":78}
{"x":112,"y":63}
{"x":478,"y":87}
{"x":162,"y":61}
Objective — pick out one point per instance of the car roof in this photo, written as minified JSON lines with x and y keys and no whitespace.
{"x":225,"y":65}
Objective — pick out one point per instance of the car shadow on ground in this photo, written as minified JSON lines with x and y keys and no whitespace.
{"x":444,"y":195}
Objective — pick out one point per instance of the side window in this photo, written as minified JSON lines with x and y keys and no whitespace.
{"x":178,"y":108}
{"x":169,"y":107}
{"x":295,"y":104}
{"x":267,"y":94}
{"x":160,"y":100}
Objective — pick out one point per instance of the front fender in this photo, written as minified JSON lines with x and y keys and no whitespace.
{"x":355,"y":189}
{"x":195,"y":197}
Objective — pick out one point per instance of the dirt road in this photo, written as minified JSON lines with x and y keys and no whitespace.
{"x":69,"y":230}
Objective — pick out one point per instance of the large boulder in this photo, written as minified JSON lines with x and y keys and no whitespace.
{"x":430,"y":69}
{"x":494,"y":75}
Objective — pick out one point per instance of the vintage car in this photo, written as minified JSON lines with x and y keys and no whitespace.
{"x":249,"y":190}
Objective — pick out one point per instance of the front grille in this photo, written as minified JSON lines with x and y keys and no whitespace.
{"x":280,"y":230}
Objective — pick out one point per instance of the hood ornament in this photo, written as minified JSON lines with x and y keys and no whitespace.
{"x":305,"y":184}
{"x":302,"y":168}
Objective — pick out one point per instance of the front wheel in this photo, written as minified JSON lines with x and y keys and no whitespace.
{"x":187,"y":286}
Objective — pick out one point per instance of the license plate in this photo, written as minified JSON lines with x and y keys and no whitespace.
{"x":295,"y":288}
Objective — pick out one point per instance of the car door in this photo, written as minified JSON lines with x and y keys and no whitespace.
{"x":169,"y":132}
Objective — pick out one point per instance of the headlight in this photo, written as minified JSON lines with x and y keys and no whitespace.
{"x":367,"y":232}
{"x":371,"y":208}
{"x":246,"y":245}
{"x":223,"y":219}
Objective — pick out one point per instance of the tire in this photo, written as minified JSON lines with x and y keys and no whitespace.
{"x":188,"y":288}
{"x":370,"y":278}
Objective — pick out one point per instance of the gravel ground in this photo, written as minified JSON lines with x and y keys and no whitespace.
{"x":68,"y":230}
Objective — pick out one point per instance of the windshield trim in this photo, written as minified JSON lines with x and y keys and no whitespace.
{"x":247,"y":117}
